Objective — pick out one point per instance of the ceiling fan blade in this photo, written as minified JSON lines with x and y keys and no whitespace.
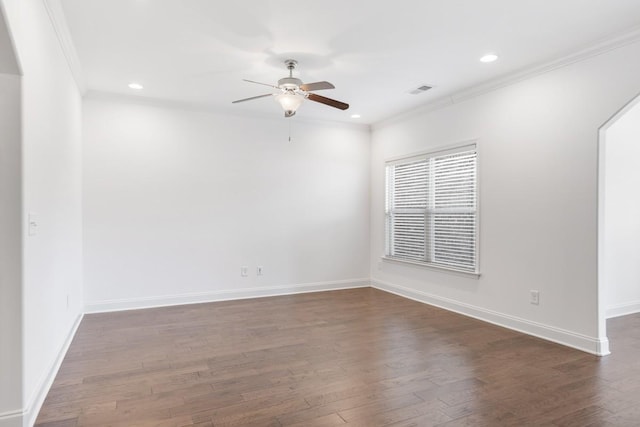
{"x":317,"y":86}
{"x":328,"y":101}
{"x":258,"y":83}
{"x":253,"y":97}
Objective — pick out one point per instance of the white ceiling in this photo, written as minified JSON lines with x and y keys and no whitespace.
{"x":374,"y":52}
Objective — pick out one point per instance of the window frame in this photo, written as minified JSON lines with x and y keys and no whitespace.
{"x":433,"y":152}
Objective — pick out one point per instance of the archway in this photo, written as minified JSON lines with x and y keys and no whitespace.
{"x":618,"y":181}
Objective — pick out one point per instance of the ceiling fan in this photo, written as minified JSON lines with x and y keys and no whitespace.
{"x":291,"y":92}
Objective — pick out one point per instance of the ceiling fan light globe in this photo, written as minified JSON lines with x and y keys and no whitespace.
{"x":289,"y":102}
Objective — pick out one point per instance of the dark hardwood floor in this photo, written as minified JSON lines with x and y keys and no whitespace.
{"x":358,"y":357}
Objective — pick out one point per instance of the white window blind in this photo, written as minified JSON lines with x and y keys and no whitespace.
{"x":431,"y":209}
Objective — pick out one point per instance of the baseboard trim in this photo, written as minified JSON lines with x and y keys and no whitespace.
{"x":34,"y":405}
{"x":225,"y":295}
{"x":599,"y":347}
{"x":11,"y":419}
{"x":623,"y":309}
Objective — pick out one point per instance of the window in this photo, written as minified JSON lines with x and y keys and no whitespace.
{"x":431,"y":209}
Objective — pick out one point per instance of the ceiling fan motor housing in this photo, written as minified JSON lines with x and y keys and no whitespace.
{"x":290,"y":83}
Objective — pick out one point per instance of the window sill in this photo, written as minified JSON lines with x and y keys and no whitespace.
{"x":431,"y":267}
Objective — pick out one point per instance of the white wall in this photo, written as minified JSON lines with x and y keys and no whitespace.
{"x":621,"y":261}
{"x":8,"y":60}
{"x":176,"y":201}
{"x":537,"y":143}
{"x":10,"y":230}
{"x":9,"y":28}
{"x":51,"y":178}
{"x":10,"y":248}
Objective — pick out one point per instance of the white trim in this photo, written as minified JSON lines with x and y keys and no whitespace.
{"x":60,"y":27}
{"x":603,"y":312}
{"x":34,"y":404}
{"x":200,"y":107}
{"x":11,"y":419}
{"x":433,"y":267}
{"x":454,"y":147}
{"x":603,"y":46}
{"x":599,"y":48}
{"x":224,"y":295}
{"x":623,"y":309}
{"x":599,"y":347}
{"x":27,"y":416}
{"x":441,"y":150}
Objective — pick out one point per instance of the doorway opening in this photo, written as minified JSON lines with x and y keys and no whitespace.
{"x":618,"y":217}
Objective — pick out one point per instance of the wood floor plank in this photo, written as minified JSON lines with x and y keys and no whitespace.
{"x":358,"y":357}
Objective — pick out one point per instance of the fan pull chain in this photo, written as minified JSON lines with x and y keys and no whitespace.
{"x":289,"y":129}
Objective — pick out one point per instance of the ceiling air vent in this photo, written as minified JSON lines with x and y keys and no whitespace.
{"x":420,"y":89}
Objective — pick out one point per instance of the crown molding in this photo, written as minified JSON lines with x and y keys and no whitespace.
{"x":599,"y":48}
{"x":603,"y":46}
{"x":59,"y":23}
{"x":206,"y":108}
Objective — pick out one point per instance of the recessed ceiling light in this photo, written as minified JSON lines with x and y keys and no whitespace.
{"x":136,"y":86}
{"x":355,"y":116}
{"x":489,"y":57}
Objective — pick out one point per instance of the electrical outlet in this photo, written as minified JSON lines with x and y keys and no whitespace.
{"x":259,"y":270}
{"x":534,"y":297}
{"x":244,"y":271}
